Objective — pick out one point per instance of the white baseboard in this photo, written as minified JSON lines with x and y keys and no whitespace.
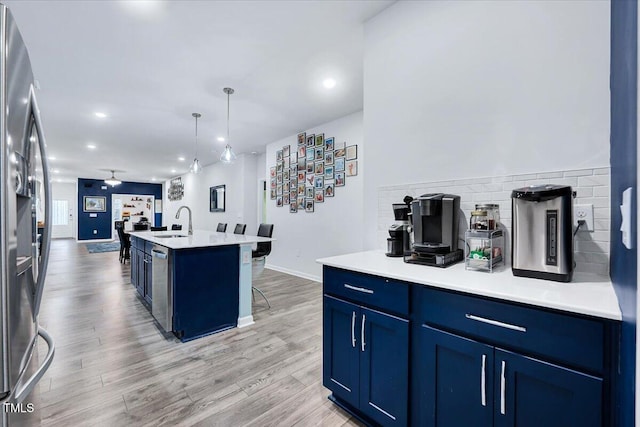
{"x":294,"y":273}
{"x":245,"y":321}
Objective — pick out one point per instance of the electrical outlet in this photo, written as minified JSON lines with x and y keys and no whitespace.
{"x":585,"y":213}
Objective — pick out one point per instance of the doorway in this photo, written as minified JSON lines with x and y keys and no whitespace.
{"x":63,"y":211}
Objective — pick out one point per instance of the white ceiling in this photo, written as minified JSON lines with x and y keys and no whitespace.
{"x":150,"y":64}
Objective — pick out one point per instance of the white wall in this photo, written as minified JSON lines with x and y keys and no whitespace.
{"x":462,"y":89}
{"x":335,"y":227}
{"x":240,"y":204}
{"x":66,"y":191}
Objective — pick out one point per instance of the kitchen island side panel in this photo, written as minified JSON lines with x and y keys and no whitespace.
{"x":205,"y":290}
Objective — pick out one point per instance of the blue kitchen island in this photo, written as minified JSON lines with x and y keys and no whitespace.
{"x":196,"y":284}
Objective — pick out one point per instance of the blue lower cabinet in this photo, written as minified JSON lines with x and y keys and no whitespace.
{"x":366,"y":361}
{"x":532,"y":393}
{"x":464,"y":382}
{"x":454,"y":377}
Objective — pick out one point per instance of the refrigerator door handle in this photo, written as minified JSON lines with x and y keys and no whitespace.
{"x":28,"y":386}
{"x":46,"y":234}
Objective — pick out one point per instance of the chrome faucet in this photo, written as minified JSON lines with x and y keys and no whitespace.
{"x":190,"y":223}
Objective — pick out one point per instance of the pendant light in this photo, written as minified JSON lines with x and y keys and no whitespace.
{"x":228,"y":156}
{"x":113,"y":181}
{"x":195,"y":166}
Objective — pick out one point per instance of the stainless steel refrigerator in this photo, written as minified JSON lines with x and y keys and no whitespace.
{"x":25,"y":229}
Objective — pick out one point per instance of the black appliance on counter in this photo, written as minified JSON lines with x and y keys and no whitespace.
{"x":399,"y":241}
{"x":542,"y":236}
{"x":435,"y":230}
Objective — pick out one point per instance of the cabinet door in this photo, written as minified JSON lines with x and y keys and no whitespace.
{"x":384,"y":367}
{"x":134,"y":266}
{"x":456,"y":380}
{"x":140,"y":272}
{"x":147,"y":277}
{"x":532,"y":393}
{"x":341,"y":353}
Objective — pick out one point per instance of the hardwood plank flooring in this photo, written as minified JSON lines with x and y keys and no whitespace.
{"x":114,"y":367}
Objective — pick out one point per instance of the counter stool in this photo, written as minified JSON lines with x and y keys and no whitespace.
{"x":262,"y":250}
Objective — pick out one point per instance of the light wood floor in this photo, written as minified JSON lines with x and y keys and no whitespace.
{"x":113,"y":367}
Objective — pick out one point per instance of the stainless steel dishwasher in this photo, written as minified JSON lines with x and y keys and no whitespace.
{"x":161,"y":285}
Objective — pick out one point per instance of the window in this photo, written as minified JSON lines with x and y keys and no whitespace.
{"x":60,"y":212}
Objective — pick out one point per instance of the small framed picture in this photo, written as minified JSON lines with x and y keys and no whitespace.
{"x":308,"y":205}
{"x":302,"y":138}
{"x":328,"y":144}
{"x":319,"y":153}
{"x":319,"y":196}
{"x":293,"y":159}
{"x":311,"y":180}
{"x":300,"y":201}
{"x":301,"y":188}
{"x":292,"y":171}
{"x":286,"y":150}
{"x":279,"y":156}
{"x":339,"y":145}
{"x":286,"y":186}
{"x":293,"y":195}
{"x":285,"y":198}
{"x":273,"y":182}
{"x":302,"y":151}
{"x":339,"y":164}
{"x":339,"y":179}
{"x":310,"y":167}
{"x":302,"y":176}
{"x":352,"y":168}
{"x":311,"y":140}
{"x":279,"y":190}
{"x":279,"y":178}
{"x":352,"y":152}
{"x":328,"y":189}
{"x":319,"y":183}
{"x":94,"y":204}
{"x":279,"y":201}
{"x":285,"y":162}
{"x":328,"y":157}
{"x":309,"y":192}
{"x":273,"y":194}
{"x":302,"y":165}
{"x":339,"y":152}
{"x":328,"y":172}
{"x":320,"y":140}
{"x":286,"y":174}
{"x":272,"y":171}
{"x":294,"y":181}
{"x":310,"y":154}
{"x":293,"y":207}
{"x":319,"y":169}
{"x":279,"y":167}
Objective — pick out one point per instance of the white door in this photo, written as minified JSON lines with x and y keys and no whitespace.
{"x":62,"y":219}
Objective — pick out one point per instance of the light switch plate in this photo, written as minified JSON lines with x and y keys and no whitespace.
{"x":246,"y":257}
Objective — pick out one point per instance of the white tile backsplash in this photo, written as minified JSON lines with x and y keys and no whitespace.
{"x":591,"y":185}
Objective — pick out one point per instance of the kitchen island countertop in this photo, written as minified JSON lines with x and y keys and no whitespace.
{"x":587,"y":294}
{"x":199,"y":239}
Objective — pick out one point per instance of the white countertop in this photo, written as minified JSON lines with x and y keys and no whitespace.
{"x":587,"y":294}
{"x":199,"y":239}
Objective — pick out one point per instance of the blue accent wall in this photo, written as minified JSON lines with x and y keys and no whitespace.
{"x":624,"y":78}
{"x":102,"y":222}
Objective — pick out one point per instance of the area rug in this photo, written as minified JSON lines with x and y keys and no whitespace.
{"x":96,"y":248}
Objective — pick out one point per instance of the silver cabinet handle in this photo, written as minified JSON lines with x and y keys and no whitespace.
{"x":483,"y":381}
{"x":158,"y":254}
{"x":496,"y":323}
{"x":355,"y":288}
{"x":353,"y":330}
{"x":362,"y":331}
{"x":503,"y":405}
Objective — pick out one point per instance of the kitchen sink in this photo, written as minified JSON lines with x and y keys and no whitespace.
{"x":168,"y":236}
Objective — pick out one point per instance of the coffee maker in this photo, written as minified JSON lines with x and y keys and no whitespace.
{"x":399,"y":242}
{"x":434,"y":220}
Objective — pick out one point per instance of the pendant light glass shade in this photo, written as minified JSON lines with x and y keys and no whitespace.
{"x":113,"y":181}
{"x":228,"y":156}
{"x":195,"y":166}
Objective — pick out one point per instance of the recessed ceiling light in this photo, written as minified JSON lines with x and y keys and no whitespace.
{"x":254,"y":152}
{"x":100,"y":115}
{"x":221,"y":139}
{"x":181,"y":158}
{"x":51,"y":158}
{"x":91,"y":146}
{"x":329,"y":83}
{"x":173,"y":171}
{"x":56,"y":171}
{"x":58,"y":180}
{"x":153,"y":179}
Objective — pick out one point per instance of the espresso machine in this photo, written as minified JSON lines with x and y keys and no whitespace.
{"x":434,"y":219}
{"x":399,"y":241}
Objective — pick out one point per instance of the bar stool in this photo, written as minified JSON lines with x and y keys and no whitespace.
{"x":262,"y":250}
